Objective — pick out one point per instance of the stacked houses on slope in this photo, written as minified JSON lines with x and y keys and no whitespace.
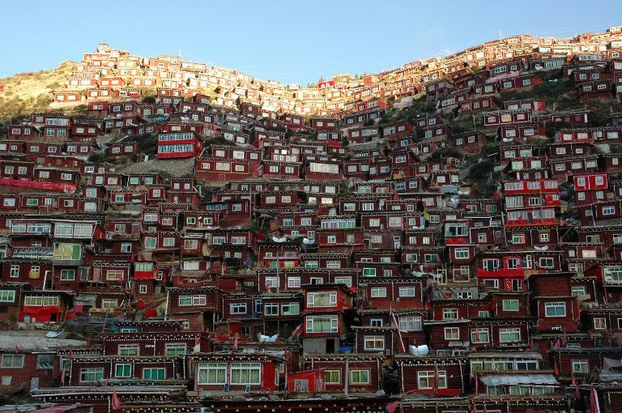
{"x":108,"y":75}
{"x":325,"y":260}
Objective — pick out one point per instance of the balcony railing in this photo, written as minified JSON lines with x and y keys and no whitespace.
{"x":33,"y":252}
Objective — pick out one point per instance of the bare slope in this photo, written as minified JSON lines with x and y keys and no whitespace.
{"x":26,"y":93}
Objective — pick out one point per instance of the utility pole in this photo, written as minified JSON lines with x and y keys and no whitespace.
{"x":347,"y":374}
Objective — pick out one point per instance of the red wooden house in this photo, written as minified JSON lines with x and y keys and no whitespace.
{"x":160,"y":244}
{"x":251,"y":154}
{"x":278,"y":153}
{"x":507,"y":269}
{"x":437,"y":131}
{"x":575,"y":118}
{"x":124,"y":149}
{"x":426,"y":148}
{"x":280,"y":170}
{"x":529,"y":194}
{"x":238,"y":137}
{"x":233,"y":245}
{"x":477,"y":103}
{"x":504,"y":69}
{"x":470,"y":142}
{"x":602,"y":319}
{"x":23,"y":132}
{"x":111,"y":82}
{"x":93,"y":370}
{"x":508,"y":152}
{"x":439,"y":376}
{"x":29,"y":361}
{"x":590,"y":188}
{"x":56,"y":126}
{"x":581,"y":362}
{"x":442,"y":178}
{"x":235,"y":373}
{"x":530,"y":168}
{"x":363,"y":118}
{"x":357,"y":168}
{"x":68,"y":96}
{"x":85,"y":130}
{"x":525,"y":237}
{"x":563,"y":167}
{"x":609,"y":276}
{"x":362,"y":203}
{"x":505,"y":117}
{"x":340,"y":240}
{"x":554,"y":305}
{"x":29,"y":265}
{"x":149,"y":343}
{"x":364,"y":371}
{"x":597,"y":89}
{"x":612,"y":162}
{"x":361,"y":134}
{"x":494,"y":383}
{"x":520,"y":82}
{"x":324,"y":123}
{"x":11,"y":296}
{"x":179,"y":145}
{"x":438,"y":87}
{"x":187,"y":302}
{"x":576,"y":135}
{"x":326,"y":308}
{"x":293,"y":279}
{"x":608,"y":235}
{"x":278,"y":254}
{"x":521,"y":132}
{"x":325,"y":260}
{"x":571,"y":149}
{"x":396,"y":131}
{"x":44,"y":306}
{"x":409,"y":322}
{"x":335,"y":149}
{"x":13,"y":147}
{"x":423,"y":259}
{"x":242,"y":307}
{"x":331,"y":136}
{"x":293,"y":122}
{"x":102,"y":94}
{"x":322,"y":169}
{"x":295,"y":218}
{"x":234,"y":212}
{"x":391,"y":293}
{"x":222,"y":170}
{"x":380,"y":256}
{"x":603,"y":211}
{"x":280,"y":313}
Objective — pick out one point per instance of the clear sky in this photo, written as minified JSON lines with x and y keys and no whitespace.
{"x":291,"y":41}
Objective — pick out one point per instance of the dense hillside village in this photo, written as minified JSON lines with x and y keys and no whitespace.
{"x":445,"y":237}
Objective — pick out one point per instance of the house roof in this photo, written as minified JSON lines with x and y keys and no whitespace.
{"x":518,"y":379}
{"x":30,"y":341}
{"x":505,"y":354}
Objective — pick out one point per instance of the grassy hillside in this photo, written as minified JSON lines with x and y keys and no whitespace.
{"x":31,"y":92}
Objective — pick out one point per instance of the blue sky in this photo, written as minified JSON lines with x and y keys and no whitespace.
{"x":291,"y":41}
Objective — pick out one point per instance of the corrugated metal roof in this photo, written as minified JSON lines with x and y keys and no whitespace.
{"x":516,"y":379}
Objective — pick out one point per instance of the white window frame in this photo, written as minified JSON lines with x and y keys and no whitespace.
{"x":551,"y":309}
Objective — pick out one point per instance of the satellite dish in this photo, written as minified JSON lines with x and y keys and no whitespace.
{"x":422,"y":350}
{"x":53,"y":334}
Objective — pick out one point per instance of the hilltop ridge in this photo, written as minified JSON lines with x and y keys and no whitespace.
{"x":112,"y":74}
